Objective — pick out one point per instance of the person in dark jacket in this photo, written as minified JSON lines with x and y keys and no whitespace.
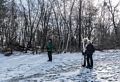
{"x":90,"y":49}
{"x":50,"y":49}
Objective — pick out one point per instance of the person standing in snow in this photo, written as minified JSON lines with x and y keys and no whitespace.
{"x":90,"y":49}
{"x":84,"y":43}
{"x":50,"y":49}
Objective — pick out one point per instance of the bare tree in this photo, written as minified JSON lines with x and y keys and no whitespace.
{"x":113,"y":11}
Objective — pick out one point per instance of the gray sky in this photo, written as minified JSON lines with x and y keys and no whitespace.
{"x":114,"y":2}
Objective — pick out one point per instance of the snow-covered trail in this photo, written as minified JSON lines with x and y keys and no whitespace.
{"x":64,"y":68}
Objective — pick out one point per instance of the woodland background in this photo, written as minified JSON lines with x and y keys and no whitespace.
{"x":28,"y":24}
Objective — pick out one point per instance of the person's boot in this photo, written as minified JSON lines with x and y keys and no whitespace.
{"x":91,"y":67}
{"x":49,"y":60}
{"x":83,"y":65}
{"x":88,"y":67}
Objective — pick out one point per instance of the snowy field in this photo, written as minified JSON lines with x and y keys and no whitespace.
{"x":64,"y":68}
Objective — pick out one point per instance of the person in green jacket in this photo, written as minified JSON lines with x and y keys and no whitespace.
{"x":50,"y":49}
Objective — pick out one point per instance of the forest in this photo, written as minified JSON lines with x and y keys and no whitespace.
{"x":28,"y":24}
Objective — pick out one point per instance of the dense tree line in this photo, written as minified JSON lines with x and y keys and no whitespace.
{"x":28,"y":24}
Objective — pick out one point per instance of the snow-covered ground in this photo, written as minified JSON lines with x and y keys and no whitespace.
{"x":66,"y":67}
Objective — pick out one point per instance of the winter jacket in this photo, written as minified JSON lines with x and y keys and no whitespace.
{"x":90,"y":49}
{"x":50,"y":46}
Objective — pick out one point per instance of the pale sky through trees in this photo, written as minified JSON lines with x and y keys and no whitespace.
{"x":114,"y":2}
{"x":96,"y":2}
